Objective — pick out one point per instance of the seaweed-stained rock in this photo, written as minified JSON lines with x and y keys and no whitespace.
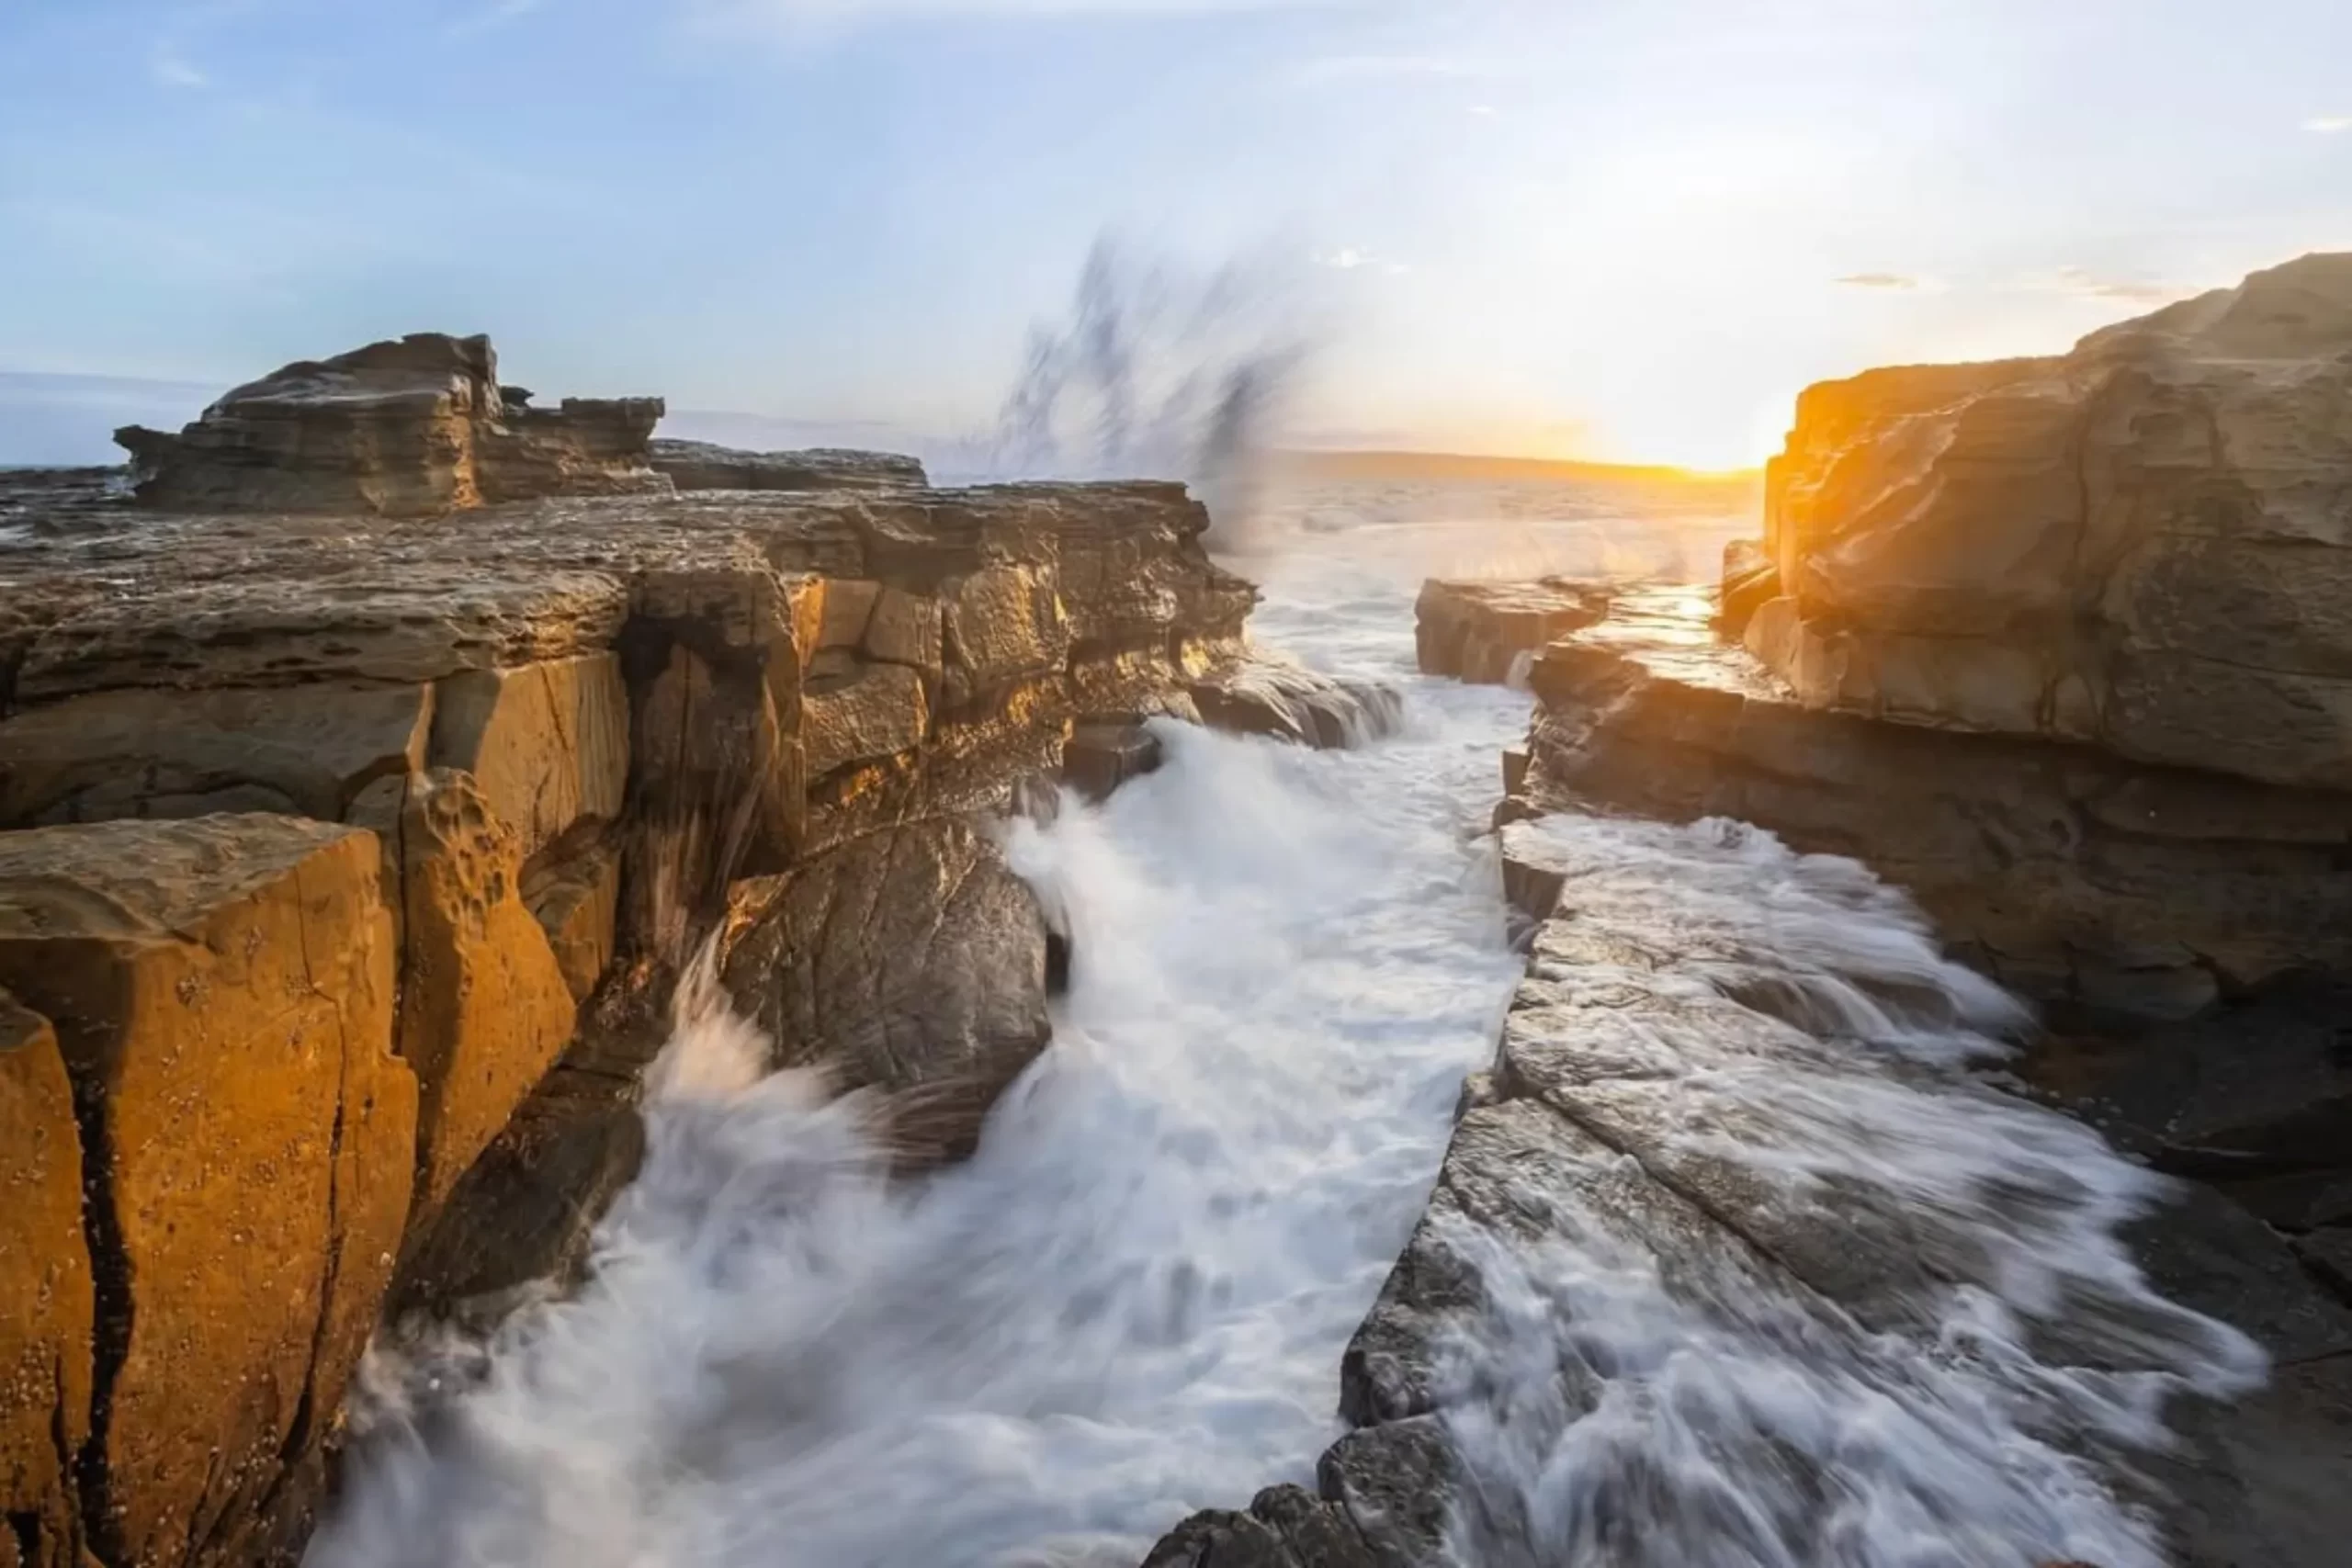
{"x":408,"y":427}
{"x":2141,"y":544}
{"x":704,"y":465}
{"x":910,"y":958}
{"x":485,"y":1009}
{"x":1484,"y":632}
{"x":221,"y":991}
{"x":46,"y":1353}
{"x":546,"y":742}
{"x":308,"y":749}
{"x":1262,"y":696}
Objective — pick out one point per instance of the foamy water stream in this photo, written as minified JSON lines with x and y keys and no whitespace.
{"x":1132,"y":1303}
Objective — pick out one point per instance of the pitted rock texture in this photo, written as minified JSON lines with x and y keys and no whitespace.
{"x":2144,"y":545}
{"x":704,"y":465}
{"x":1486,"y":632}
{"x":411,"y":427}
{"x":220,"y":994}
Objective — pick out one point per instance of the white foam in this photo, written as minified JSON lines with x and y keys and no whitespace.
{"x":1131,"y":1303}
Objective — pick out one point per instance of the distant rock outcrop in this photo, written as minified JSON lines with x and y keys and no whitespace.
{"x":704,"y":465}
{"x":401,"y":428}
{"x":1486,"y":632}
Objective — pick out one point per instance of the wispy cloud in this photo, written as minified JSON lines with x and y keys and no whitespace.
{"x":2328,"y":124}
{"x":2097,"y":285}
{"x":167,"y":66}
{"x":1892,"y":280}
{"x":1485,"y":111}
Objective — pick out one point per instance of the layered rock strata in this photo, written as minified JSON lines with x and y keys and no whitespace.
{"x":349,"y":860}
{"x":2141,"y":545}
{"x":703,"y":465}
{"x":407,"y":427}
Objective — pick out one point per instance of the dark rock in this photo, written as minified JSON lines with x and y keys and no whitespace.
{"x":911,"y":959}
{"x":2211,"y":1256}
{"x":1103,"y":754}
{"x":703,"y":465}
{"x":2328,"y":1255}
{"x":2255,"y":1086}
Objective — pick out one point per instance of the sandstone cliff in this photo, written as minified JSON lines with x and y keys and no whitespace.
{"x":2141,"y":545}
{"x":365,"y":778}
{"x":2063,"y":645}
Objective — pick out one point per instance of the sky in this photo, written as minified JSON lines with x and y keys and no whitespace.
{"x":1623,"y":229}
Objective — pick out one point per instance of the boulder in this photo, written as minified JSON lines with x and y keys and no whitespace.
{"x":412,"y":427}
{"x":704,"y":465}
{"x":911,"y":959}
{"x":1486,"y":632}
{"x":485,"y":1006}
{"x":861,"y":713}
{"x":222,"y":994}
{"x":2139,"y":545}
{"x":46,"y":1350}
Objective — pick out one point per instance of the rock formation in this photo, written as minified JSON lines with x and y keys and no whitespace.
{"x":404,"y":428}
{"x":1488,"y":632}
{"x":344,"y":868}
{"x":701,"y":465}
{"x":2061,"y":644}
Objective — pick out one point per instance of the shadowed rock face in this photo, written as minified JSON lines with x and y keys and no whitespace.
{"x":2144,"y":545}
{"x":409,"y":427}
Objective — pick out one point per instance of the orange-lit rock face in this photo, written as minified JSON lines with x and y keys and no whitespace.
{"x":2141,"y":545}
{"x":218,"y":993}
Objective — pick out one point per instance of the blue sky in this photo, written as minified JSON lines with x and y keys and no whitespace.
{"x":1623,"y":228}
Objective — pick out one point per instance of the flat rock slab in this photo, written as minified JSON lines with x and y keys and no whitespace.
{"x":1488,"y":632}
